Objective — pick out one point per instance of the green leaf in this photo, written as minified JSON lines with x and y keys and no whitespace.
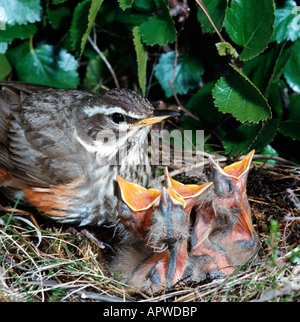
{"x":17,"y":32}
{"x":216,"y":10}
{"x":3,"y":47}
{"x":21,"y":11}
{"x":287,"y":22}
{"x":247,"y":137}
{"x":58,"y":1}
{"x":236,"y":94}
{"x":187,"y":76}
{"x":240,"y":139}
{"x":16,"y":53}
{"x":83,"y":19}
{"x":141,"y":55}
{"x":48,"y":67}
{"x":144,"y":5}
{"x":275,"y":93}
{"x":266,"y":134}
{"x":267,"y":68}
{"x":79,"y":23}
{"x":202,"y":104}
{"x":250,"y":24}
{"x":57,"y":15}
{"x":268,"y":150}
{"x":94,"y":9}
{"x":94,"y":73}
{"x":159,"y":30}
{"x":130,"y":18}
{"x":291,"y":126}
{"x":124,"y":4}
{"x":5,"y":67}
{"x":292,"y":68}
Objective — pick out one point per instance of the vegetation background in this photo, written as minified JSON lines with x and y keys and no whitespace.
{"x":239,"y":81}
{"x":233,"y":69}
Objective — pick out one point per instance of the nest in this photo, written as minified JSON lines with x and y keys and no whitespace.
{"x":43,"y":261}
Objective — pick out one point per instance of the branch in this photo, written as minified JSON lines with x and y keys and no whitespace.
{"x":273,"y":157}
{"x":203,"y":8}
{"x":180,"y":106}
{"x":99,"y":52}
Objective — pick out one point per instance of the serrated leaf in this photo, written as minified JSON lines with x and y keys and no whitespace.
{"x":247,"y":137}
{"x":236,"y":94}
{"x":157,"y":31}
{"x":5,"y":67}
{"x":94,"y":9}
{"x":21,"y":11}
{"x":124,"y":4}
{"x":292,"y":68}
{"x":83,"y":19}
{"x":17,"y":32}
{"x":187,"y":76}
{"x":141,"y":55}
{"x":216,"y":10}
{"x":250,"y":24}
{"x":287,"y":22}
{"x":265,"y":135}
{"x":291,"y":126}
{"x":267,"y":68}
{"x":48,"y":67}
{"x":79,"y":23}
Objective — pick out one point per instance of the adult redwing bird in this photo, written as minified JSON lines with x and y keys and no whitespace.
{"x":60,"y":148}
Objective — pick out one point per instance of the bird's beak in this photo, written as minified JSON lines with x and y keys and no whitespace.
{"x":235,"y":170}
{"x":157,"y":117}
{"x":136,"y":197}
{"x":189,"y":193}
{"x":235,"y":177}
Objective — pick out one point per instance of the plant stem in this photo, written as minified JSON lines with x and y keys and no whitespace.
{"x":203,"y":8}
{"x":108,"y":65}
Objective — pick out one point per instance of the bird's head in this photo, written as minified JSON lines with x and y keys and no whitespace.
{"x":117,"y":119}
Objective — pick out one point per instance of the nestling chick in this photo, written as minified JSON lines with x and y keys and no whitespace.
{"x":223,"y":235}
{"x":160,"y":257}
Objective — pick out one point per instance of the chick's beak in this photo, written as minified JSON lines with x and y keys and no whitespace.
{"x":238,"y":169}
{"x":230,"y":188}
{"x":157,"y":117}
{"x":136,"y":197}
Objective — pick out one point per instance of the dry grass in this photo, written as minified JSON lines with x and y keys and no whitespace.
{"x":43,"y":261}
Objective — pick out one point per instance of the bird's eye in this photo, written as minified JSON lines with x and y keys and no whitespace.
{"x":118,"y":118}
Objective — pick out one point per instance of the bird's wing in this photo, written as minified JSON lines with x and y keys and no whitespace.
{"x":36,"y":135}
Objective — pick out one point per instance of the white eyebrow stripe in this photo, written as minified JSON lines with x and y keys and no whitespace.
{"x":103,"y":109}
